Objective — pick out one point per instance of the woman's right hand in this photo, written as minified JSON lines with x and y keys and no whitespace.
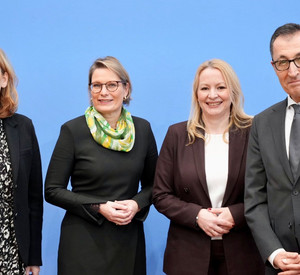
{"x":115,"y":212}
{"x":213,"y":225}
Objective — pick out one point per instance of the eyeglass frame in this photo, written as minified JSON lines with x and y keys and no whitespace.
{"x":115,"y":81}
{"x":289,"y":60}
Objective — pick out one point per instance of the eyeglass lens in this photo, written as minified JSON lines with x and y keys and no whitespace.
{"x":111,"y":86}
{"x":282,"y":65}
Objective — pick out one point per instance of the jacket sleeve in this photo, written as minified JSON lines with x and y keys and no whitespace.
{"x":59,"y":172}
{"x":35,"y":203}
{"x":237,"y":212}
{"x":239,"y":145}
{"x":256,"y":202}
{"x":144,"y":197}
{"x":165,"y":197}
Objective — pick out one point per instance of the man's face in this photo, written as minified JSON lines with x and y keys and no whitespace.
{"x":287,"y":47}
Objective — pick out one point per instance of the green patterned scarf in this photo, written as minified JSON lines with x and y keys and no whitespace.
{"x":121,"y":139}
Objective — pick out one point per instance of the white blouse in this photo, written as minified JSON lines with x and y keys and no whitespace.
{"x":216,"y":167}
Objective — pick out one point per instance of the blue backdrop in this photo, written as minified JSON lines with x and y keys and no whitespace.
{"x":51,"y":45}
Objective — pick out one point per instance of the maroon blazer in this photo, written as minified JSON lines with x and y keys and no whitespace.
{"x":180,"y":191}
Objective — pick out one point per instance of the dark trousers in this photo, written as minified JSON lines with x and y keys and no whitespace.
{"x":217,"y":265}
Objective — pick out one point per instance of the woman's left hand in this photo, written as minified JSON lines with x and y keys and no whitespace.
{"x":132,"y":209}
{"x":34,"y":270}
{"x":223,"y":213}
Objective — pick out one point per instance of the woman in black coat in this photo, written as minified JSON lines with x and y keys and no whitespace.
{"x":21,"y":198}
{"x":106,"y":154}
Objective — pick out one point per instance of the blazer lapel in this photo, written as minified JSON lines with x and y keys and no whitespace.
{"x":198,"y":152}
{"x":12,"y":135}
{"x":277,"y":124}
{"x":237,"y":149}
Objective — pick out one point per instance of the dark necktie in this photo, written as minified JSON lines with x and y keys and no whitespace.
{"x":294,"y":150}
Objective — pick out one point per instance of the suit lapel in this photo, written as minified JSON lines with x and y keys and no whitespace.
{"x":237,"y":149}
{"x":12,"y":135}
{"x":277,"y":124}
{"x":198,"y":152}
{"x":237,"y":146}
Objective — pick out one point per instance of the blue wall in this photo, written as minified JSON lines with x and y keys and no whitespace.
{"x":51,"y":45}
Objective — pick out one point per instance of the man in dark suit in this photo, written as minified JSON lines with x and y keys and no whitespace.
{"x":272,"y":193}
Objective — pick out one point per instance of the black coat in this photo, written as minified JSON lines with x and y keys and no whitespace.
{"x":27,"y":180}
{"x":91,"y":244}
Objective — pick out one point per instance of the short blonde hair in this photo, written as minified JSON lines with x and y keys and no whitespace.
{"x":8,"y":95}
{"x":114,"y":65}
{"x":238,"y":118}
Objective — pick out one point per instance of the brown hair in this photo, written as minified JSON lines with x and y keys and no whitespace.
{"x":8,"y":95}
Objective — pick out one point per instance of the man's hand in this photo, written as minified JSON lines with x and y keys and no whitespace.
{"x":288,"y":262}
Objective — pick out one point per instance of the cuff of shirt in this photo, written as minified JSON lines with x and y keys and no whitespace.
{"x":273,"y":255}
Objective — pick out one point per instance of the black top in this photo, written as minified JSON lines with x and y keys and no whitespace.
{"x":97,"y":174}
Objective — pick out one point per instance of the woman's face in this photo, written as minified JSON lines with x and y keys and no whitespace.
{"x":3,"y":79}
{"x":105,"y":102}
{"x":213,"y":94}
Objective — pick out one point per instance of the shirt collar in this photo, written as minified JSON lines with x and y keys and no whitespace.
{"x":290,"y":102}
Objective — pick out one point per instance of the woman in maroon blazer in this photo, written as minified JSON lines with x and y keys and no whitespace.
{"x":199,"y":182}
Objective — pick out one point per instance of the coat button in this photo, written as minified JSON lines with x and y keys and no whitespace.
{"x":295,"y":193}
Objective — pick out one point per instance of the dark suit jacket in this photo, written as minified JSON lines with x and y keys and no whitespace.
{"x":180,"y":191}
{"x":27,"y":180}
{"x":272,"y":198}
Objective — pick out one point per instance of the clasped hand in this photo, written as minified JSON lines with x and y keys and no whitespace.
{"x":215,"y":221}
{"x":119,"y":212}
{"x":34,"y":270}
{"x":288,"y":262}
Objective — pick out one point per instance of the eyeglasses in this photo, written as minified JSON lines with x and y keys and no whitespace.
{"x":110,"y":86}
{"x":282,"y":65}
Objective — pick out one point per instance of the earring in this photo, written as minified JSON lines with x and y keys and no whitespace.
{"x":125,"y":97}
